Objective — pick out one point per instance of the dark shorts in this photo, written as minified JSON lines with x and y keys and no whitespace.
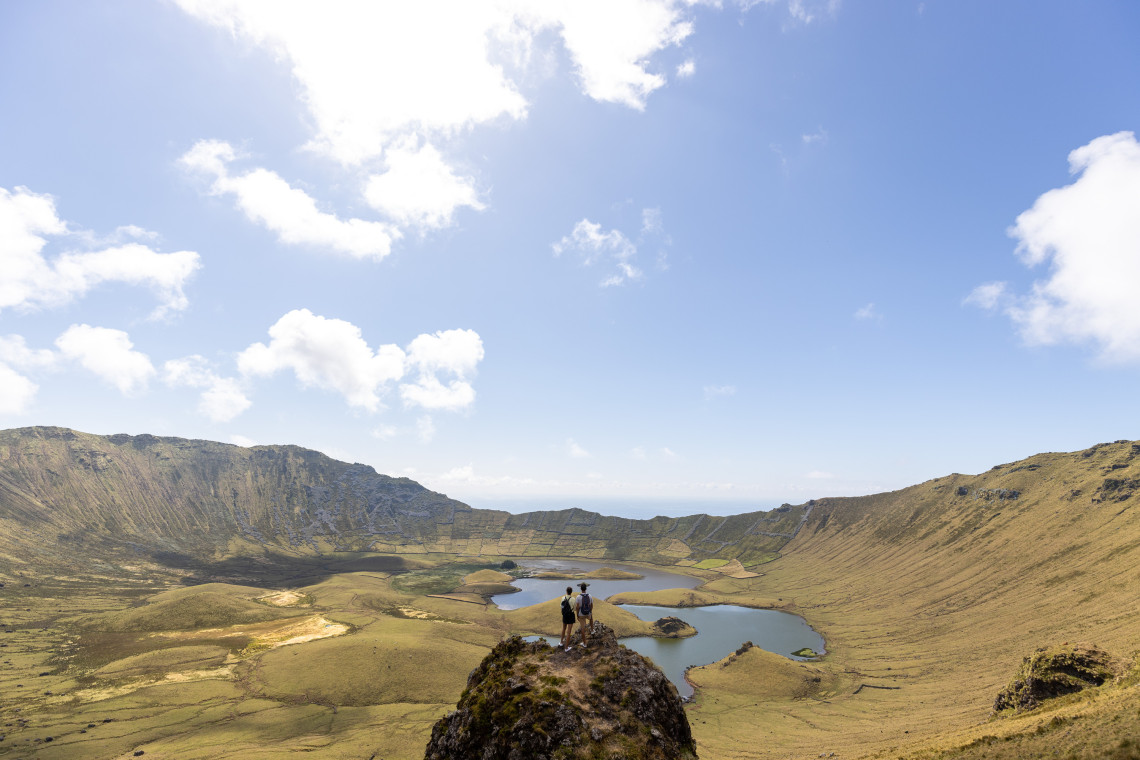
{"x":567,"y":618}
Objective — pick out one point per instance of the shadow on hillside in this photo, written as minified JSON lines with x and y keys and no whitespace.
{"x":273,"y":570}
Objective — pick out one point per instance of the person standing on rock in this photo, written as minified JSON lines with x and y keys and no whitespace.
{"x":567,"y":603}
{"x":584,"y":607}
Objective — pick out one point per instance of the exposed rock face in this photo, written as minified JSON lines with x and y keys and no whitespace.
{"x":673,"y":628}
{"x":1052,"y":672}
{"x":68,"y":497}
{"x":531,"y":701}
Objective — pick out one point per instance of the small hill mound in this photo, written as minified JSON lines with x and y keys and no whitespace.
{"x":187,"y":612}
{"x":535,"y":701}
{"x":546,"y":618}
{"x":673,"y":628}
{"x":487,"y":576}
{"x":751,"y":674}
{"x":1053,"y":672}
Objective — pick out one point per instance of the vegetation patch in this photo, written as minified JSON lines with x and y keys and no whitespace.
{"x":436,"y":580}
{"x":602,"y":573}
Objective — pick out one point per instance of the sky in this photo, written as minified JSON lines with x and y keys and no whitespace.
{"x":640,"y":255}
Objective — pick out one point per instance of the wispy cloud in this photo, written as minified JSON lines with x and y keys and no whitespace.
{"x":576,"y":451}
{"x":719,"y":391}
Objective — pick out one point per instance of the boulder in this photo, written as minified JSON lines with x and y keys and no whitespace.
{"x":1054,"y":672}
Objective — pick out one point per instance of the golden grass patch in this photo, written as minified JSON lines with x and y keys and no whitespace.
{"x":546,"y":618}
{"x":165,"y":660}
{"x":399,"y":661}
{"x":487,"y":576}
{"x":283,"y":598}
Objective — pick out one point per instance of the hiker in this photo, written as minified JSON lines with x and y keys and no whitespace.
{"x":567,"y":618}
{"x":584,"y":606}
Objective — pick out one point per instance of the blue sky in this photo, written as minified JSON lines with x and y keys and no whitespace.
{"x":537,"y":253}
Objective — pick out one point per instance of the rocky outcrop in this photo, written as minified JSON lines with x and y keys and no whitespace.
{"x":531,"y":701}
{"x":1053,"y":672}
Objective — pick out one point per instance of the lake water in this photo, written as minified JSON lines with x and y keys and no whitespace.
{"x":721,"y":629}
{"x":535,"y":590}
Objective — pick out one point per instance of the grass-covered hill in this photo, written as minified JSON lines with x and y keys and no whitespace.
{"x":929,"y":599}
{"x":67,"y":498}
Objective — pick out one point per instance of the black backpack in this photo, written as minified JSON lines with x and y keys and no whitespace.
{"x":565,"y":604}
{"x":586,"y":606}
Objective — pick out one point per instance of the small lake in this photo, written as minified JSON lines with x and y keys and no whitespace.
{"x":535,"y":590}
{"x":721,"y":629}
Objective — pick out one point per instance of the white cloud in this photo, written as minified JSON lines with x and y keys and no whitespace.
{"x":332,"y":354}
{"x":1089,"y":233}
{"x":638,"y":453}
{"x":718,"y":391}
{"x":594,"y":245}
{"x":818,"y":137}
{"x":988,"y":295}
{"x":576,"y":451}
{"x":16,"y":391}
{"x":611,"y":41}
{"x":241,"y":440}
{"x":820,"y":475}
{"x":807,"y":11}
{"x":430,"y":393}
{"x":109,"y":355}
{"x":668,"y":453}
{"x":222,"y":398}
{"x":372,"y":74}
{"x":325,"y":353}
{"x":392,"y":83}
{"x":464,"y":473}
{"x":456,"y":352}
{"x":14,"y":351}
{"x":687,"y":69}
{"x":292,"y":214}
{"x":32,"y":281}
{"x":868,"y":312}
{"x":651,"y":222}
{"x":419,"y":189}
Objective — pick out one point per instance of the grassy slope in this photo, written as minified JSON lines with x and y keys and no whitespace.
{"x":940,"y":595}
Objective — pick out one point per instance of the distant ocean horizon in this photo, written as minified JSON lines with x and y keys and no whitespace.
{"x":634,"y":508}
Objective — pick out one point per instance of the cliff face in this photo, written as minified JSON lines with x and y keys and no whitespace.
{"x":66,"y":495}
{"x":531,"y":701}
